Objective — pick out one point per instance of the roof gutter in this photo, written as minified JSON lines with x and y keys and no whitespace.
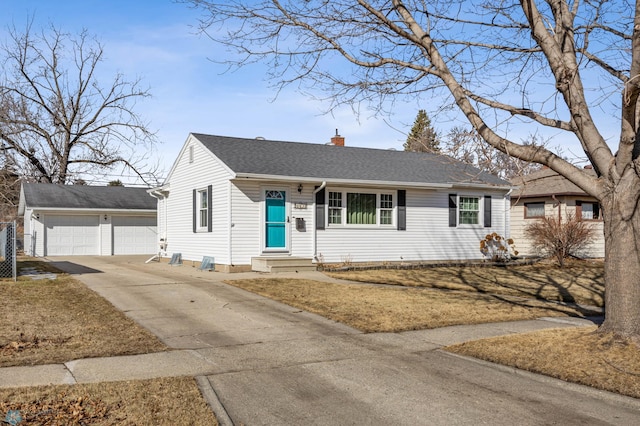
{"x":508,"y":188}
{"x":91,"y":210}
{"x":376,"y":183}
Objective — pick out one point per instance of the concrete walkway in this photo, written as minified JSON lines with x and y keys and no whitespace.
{"x":260,"y":362}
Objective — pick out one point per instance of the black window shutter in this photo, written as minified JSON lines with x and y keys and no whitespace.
{"x":209,"y":208}
{"x":596,"y":211}
{"x":453,"y":210}
{"x":320,"y":209}
{"x":195,"y":210}
{"x":402,"y":210}
{"x":487,"y":211}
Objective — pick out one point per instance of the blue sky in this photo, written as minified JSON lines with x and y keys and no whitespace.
{"x":157,"y":42}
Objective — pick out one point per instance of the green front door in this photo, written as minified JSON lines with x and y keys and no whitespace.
{"x":275,"y":220}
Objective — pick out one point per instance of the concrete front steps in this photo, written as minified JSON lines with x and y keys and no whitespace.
{"x":282,"y":264}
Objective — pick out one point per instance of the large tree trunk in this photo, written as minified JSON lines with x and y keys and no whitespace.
{"x":622,"y":260}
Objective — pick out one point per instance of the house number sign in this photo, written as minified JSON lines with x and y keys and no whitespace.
{"x":300,"y":206}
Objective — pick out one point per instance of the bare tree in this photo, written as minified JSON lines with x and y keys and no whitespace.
{"x":9,"y":194}
{"x":542,"y":64}
{"x":57,"y":122}
{"x":467,"y":146}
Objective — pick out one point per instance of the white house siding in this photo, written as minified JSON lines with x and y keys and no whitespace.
{"x":566,"y":206}
{"x":186,"y":176}
{"x":34,"y":233}
{"x":247,"y":230}
{"x":302,"y":240}
{"x":106,"y":234}
{"x":427,"y":237}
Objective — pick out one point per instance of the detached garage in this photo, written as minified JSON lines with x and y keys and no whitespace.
{"x":63,"y":220}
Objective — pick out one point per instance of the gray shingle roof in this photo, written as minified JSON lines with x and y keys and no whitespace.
{"x":44,"y":195}
{"x":328,"y":162}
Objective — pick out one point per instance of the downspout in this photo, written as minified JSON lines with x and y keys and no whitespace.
{"x":158,"y":195}
{"x":507,"y":223}
{"x":231,"y":225}
{"x":315,"y":218}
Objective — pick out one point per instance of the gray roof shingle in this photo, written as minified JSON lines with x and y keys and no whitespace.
{"x":328,"y":162}
{"x":42,"y":195}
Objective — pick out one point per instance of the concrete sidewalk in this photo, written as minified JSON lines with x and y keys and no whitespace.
{"x":260,"y":362}
{"x":199,"y":362}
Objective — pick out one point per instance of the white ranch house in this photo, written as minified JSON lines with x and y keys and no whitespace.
{"x":250,"y":203}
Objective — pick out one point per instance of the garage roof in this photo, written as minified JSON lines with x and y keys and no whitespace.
{"x":52,"y":196}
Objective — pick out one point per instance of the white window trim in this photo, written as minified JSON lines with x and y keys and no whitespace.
{"x":200,"y":209}
{"x":480,"y":223}
{"x":377,"y":193}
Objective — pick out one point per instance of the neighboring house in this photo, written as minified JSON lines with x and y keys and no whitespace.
{"x":247,"y":202}
{"x":546,"y":193}
{"x":87,"y":220}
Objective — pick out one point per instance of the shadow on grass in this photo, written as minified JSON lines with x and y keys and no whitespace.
{"x":581,"y":283}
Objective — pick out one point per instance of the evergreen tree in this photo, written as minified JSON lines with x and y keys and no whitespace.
{"x":423,"y":137}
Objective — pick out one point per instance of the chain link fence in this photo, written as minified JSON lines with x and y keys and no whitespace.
{"x":8,"y":250}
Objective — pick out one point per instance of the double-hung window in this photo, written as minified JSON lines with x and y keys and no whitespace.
{"x":335,"y":208}
{"x":203,"y":207}
{"x":349,"y":208}
{"x":386,"y":209}
{"x":202,"y":212}
{"x":469,"y":211}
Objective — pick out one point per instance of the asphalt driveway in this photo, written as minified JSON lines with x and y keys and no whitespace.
{"x":271,"y":364}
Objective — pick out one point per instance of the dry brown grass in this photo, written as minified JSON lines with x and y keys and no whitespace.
{"x":577,"y":355}
{"x":579,"y":282}
{"x":170,"y":401}
{"x":387,"y":309}
{"x":50,"y":321}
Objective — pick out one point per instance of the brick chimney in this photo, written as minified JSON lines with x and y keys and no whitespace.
{"x":337,"y":140}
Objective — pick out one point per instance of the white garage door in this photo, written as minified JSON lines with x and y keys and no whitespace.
{"x":134,"y":235}
{"x":71,"y":235}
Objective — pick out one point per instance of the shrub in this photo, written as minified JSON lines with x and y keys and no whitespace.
{"x":497,"y":248}
{"x":560,"y":238}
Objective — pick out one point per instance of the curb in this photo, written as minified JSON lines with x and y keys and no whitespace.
{"x":212,"y":399}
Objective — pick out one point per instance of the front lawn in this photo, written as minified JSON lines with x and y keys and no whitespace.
{"x":579,"y":282}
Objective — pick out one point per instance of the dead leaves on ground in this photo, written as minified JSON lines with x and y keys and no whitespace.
{"x":24,"y":342}
{"x":62,"y":410}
